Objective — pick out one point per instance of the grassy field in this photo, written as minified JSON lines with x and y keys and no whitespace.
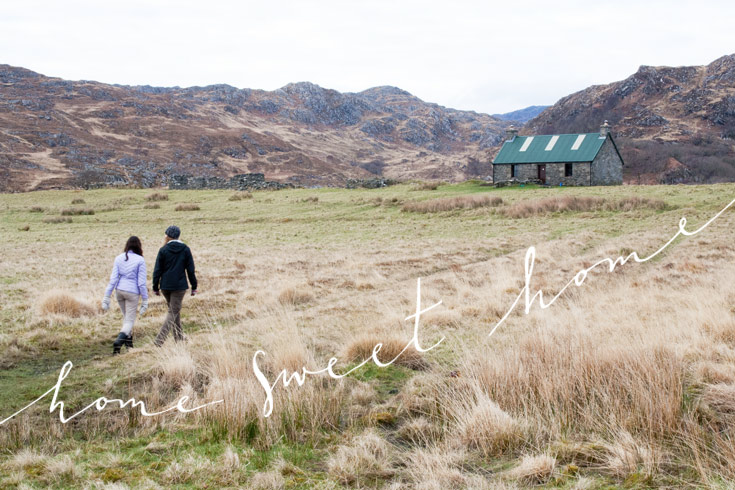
{"x":625,"y":382}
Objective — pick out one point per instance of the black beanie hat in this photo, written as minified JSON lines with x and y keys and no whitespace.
{"x":173,"y":232}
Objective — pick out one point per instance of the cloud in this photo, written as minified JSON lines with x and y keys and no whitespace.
{"x":483,"y":56}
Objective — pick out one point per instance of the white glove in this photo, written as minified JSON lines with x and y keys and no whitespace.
{"x":144,"y":307}
{"x":106,"y":303}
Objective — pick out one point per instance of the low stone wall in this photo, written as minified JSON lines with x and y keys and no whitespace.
{"x":239,"y":182}
{"x":369,"y":183}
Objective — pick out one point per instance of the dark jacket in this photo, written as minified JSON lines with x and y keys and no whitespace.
{"x":173,"y":263}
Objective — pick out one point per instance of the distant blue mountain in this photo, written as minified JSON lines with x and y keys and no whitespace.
{"x":522,"y":115}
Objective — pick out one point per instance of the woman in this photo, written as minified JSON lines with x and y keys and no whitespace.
{"x":128,"y":278}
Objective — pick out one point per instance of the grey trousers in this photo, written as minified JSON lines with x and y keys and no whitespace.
{"x":129,"y":305}
{"x":173,"y":318}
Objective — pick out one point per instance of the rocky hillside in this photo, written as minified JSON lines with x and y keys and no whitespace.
{"x":672,"y":124}
{"x":57,"y":133}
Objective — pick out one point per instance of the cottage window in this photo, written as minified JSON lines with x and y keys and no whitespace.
{"x":568,"y":169}
{"x":512,"y":171}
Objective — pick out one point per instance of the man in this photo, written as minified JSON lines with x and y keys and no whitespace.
{"x":173,"y":264}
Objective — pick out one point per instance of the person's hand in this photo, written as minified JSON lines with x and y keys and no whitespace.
{"x":105,"y":303}
{"x":144,"y":307}
{"x":157,"y":293}
{"x":194,"y":292}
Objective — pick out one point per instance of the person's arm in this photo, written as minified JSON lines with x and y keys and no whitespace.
{"x":142,"y":279}
{"x":190,"y":270}
{"x":114,"y":277}
{"x":157,"y":271}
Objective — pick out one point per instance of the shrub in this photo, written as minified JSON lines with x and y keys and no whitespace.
{"x":66,"y":305}
{"x":451,"y":203}
{"x":152,"y":205}
{"x":78,"y":201}
{"x":57,"y":219}
{"x":187,"y":207}
{"x":77,"y":211}
{"x":239,"y":196}
{"x":157,"y":196}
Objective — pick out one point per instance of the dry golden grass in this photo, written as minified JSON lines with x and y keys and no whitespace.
{"x":362,"y":348}
{"x":525,"y":209}
{"x":65,"y":305}
{"x":367,"y":457}
{"x":452,"y":203}
{"x":628,"y":380}
{"x":295,"y":295}
{"x":152,"y":205}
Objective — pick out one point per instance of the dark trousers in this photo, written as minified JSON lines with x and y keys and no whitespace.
{"x":173,"y":318}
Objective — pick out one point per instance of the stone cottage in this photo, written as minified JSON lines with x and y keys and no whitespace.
{"x":554,"y":159}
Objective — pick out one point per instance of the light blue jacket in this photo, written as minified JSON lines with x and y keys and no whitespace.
{"x":128,"y":275}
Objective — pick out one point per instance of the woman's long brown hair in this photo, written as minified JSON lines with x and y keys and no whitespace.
{"x":133,"y":244}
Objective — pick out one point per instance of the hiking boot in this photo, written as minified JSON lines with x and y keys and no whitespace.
{"x":129,"y":341}
{"x":119,"y":341}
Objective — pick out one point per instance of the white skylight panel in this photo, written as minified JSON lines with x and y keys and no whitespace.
{"x":578,"y":142}
{"x":526,"y":143}
{"x":552,"y":142}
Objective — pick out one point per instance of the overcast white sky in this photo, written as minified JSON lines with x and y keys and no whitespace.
{"x":485,"y":56}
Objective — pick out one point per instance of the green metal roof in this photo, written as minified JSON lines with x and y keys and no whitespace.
{"x":520,"y":150}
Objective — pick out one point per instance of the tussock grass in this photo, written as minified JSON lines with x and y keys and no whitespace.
{"x":156,"y":196}
{"x":295,"y":295}
{"x":187,"y":207}
{"x":64,"y":304}
{"x":425,"y":186}
{"x":239,"y":196}
{"x":525,"y":209}
{"x":533,"y":470}
{"x":152,"y":205}
{"x":366,"y":458}
{"x":77,"y":212}
{"x":36,"y":209}
{"x":57,"y":219}
{"x":78,"y":201}
{"x":451,"y":203}
{"x":362,"y":348}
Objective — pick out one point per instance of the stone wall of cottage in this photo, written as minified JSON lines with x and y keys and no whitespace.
{"x":580,"y":174}
{"x":554,"y":173}
{"x":607,"y":167}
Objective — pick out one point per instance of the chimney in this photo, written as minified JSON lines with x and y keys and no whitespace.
{"x":604,"y":129}
{"x":511,"y":133}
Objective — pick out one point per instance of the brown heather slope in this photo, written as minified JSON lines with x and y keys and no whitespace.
{"x":672,"y":124}
{"x":56,"y":133}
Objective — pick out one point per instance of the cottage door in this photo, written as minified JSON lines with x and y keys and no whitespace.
{"x":542,"y":173}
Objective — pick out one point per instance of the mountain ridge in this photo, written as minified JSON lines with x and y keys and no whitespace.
{"x":659,"y":113}
{"x":59,"y":133}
